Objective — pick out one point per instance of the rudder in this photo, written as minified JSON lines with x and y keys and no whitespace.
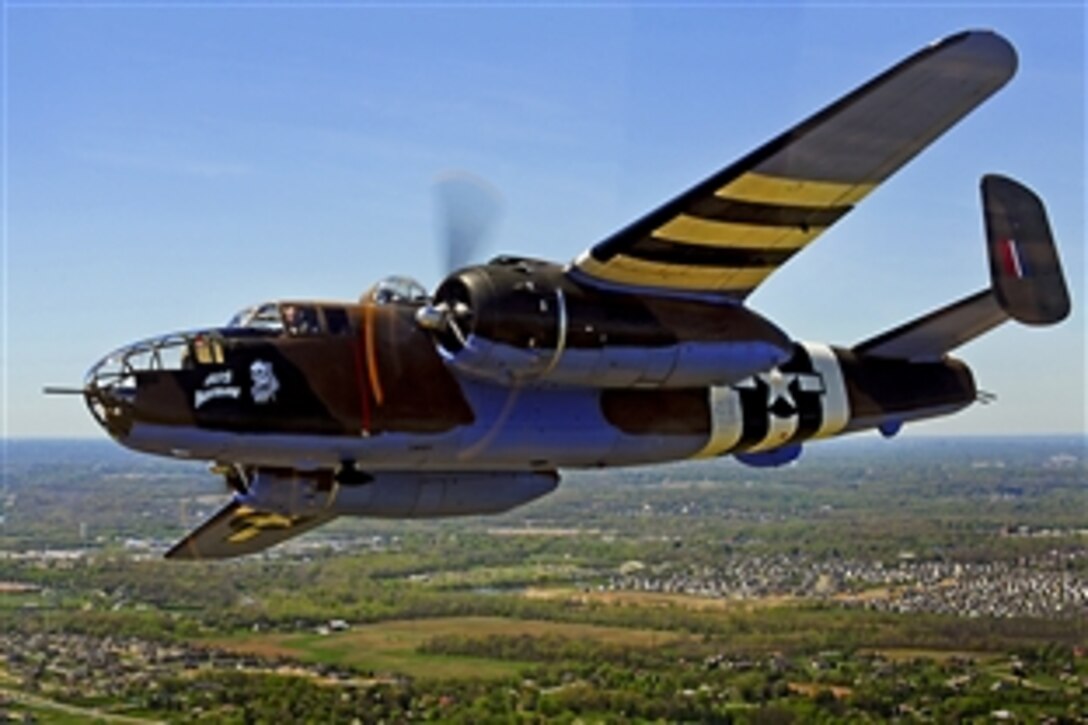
{"x":1025,"y":270}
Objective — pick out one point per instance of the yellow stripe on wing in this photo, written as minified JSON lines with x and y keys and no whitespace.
{"x":622,"y":269}
{"x":692,"y":230}
{"x":764,"y":189}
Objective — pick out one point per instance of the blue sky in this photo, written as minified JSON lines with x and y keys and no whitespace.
{"x":167,"y":165}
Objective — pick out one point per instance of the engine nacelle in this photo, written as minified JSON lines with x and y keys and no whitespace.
{"x":432,"y":495}
{"x":517,"y":320}
{"x":396,"y":494}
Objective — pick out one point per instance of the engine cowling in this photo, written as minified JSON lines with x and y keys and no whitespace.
{"x":517,"y":320}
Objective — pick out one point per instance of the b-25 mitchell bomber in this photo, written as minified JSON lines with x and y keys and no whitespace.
{"x":642,"y":350}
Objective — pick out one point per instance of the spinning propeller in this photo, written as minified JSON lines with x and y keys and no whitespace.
{"x":467,"y":209}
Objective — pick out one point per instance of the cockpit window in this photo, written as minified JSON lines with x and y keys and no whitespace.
{"x":393,"y":290}
{"x":207,"y":350}
{"x":301,"y":319}
{"x":292,"y":318}
{"x":265,"y":317}
{"x":336,"y":321}
{"x":240,"y":318}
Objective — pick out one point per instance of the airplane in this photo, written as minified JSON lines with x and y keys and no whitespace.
{"x":642,"y":350}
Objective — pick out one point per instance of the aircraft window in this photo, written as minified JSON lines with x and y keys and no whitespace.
{"x":169,"y":356}
{"x":266,"y":317}
{"x":240,"y":318}
{"x":207,"y":351}
{"x":336,"y":321}
{"x":301,"y":320}
{"x":397,"y":289}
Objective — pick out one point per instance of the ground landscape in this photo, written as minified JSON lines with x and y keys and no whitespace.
{"x":918,"y":580}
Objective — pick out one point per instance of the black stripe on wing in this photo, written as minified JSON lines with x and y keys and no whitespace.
{"x":716,"y":208}
{"x":651,"y":249}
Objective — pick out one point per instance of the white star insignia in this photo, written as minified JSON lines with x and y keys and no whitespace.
{"x":780,"y":388}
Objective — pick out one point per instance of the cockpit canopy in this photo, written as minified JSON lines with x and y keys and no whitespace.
{"x":314,"y":318}
{"x":396,"y":290}
{"x":259,"y":317}
{"x":293,"y":318}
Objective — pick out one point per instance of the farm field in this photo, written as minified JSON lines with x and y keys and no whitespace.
{"x":393,"y":646}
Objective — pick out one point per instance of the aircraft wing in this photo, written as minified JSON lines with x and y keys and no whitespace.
{"x":238,"y":529}
{"x":730,"y":232}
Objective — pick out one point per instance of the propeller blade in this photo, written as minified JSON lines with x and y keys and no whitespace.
{"x":467,"y":209}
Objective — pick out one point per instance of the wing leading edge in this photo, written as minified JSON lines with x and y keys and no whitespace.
{"x":731,"y":231}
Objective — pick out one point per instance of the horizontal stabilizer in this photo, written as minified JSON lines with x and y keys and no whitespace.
{"x":1024,"y":266}
{"x":931,"y":336}
{"x":238,"y":529}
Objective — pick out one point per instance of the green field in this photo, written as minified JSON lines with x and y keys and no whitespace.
{"x":393,"y":647}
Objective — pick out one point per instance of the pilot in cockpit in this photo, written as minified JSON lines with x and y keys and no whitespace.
{"x":300,"y":320}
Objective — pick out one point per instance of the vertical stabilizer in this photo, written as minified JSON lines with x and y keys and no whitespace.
{"x":1026,"y":281}
{"x":1024,"y":267}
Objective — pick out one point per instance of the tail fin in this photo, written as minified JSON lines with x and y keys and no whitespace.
{"x":1026,"y":281}
{"x":1027,"y":276}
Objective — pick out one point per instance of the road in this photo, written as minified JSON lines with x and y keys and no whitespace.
{"x":43,"y":703}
